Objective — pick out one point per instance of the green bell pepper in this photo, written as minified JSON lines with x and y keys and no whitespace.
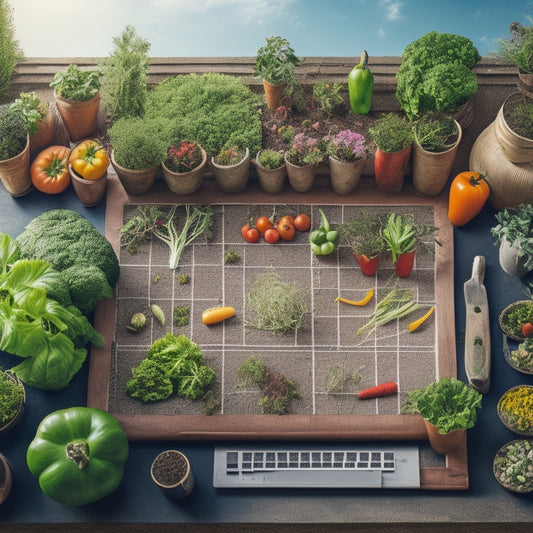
{"x":324,"y":239}
{"x":78,"y":454}
{"x":360,"y":86}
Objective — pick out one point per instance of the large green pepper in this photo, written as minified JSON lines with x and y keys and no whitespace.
{"x":360,"y":86}
{"x":78,"y":454}
{"x":324,"y":239}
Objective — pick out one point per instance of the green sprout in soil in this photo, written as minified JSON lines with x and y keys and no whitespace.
{"x":277,"y":306}
{"x":183,"y":279}
{"x":156,"y":278}
{"x":210,"y":404}
{"x":181,"y":315}
{"x":334,"y":381}
{"x":278,"y":390}
{"x":231,"y":257}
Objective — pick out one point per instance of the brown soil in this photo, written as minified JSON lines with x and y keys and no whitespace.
{"x":169,"y":468}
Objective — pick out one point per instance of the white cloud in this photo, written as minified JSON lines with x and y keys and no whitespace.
{"x":392,"y":9}
{"x":382,"y":33}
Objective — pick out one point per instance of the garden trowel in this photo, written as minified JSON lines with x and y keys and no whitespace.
{"x":477,"y":333}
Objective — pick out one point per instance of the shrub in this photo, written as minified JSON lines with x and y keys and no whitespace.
{"x":215,"y":110}
{"x":124,"y":73}
{"x":13,"y":132}
{"x":10,"y":52}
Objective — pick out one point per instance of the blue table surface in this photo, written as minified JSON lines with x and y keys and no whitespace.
{"x":137,"y":500}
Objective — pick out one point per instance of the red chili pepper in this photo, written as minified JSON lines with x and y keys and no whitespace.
{"x":383,"y":389}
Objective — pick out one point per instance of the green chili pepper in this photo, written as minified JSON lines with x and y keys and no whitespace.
{"x":360,"y":86}
{"x":324,"y":239}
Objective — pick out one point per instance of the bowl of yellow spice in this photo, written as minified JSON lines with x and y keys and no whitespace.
{"x":515,"y":409}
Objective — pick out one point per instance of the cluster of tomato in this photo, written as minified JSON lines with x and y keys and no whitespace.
{"x":285,"y":228}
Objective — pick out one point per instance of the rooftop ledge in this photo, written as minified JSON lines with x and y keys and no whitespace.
{"x":495,"y":81}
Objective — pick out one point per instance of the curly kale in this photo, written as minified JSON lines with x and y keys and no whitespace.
{"x":76,"y":249}
{"x":173,"y":365}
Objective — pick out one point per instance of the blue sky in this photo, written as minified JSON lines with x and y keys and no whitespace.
{"x":64,"y":28}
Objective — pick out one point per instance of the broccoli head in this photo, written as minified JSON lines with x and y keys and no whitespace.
{"x":66,"y":239}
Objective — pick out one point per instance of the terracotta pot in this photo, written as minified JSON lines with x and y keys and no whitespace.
{"x":389,"y":169}
{"x":515,"y":148}
{"x":171,"y":472}
{"x":510,"y":184}
{"x":431,"y":170}
{"x":345,"y":175}
{"x":15,"y":172}
{"x":46,"y":132}
{"x":404,"y":264}
{"x":301,"y":179}
{"x":443,"y":444}
{"x":80,"y":118}
{"x":135,"y":181}
{"x":90,"y":192}
{"x":6,"y":479}
{"x":234,"y":178}
{"x":369,"y":266}
{"x":185,"y":182}
{"x":271,"y":180}
{"x":274,"y":94}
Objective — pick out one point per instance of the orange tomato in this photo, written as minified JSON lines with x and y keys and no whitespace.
{"x":469,"y":192}
{"x":285,"y":227}
{"x":49,"y":171}
{"x":302,"y":222}
{"x":262,"y":224}
{"x":272,"y":235}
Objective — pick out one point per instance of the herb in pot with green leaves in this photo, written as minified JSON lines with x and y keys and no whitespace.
{"x":324,"y":240}
{"x":78,"y":455}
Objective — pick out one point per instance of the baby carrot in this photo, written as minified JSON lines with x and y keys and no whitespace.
{"x":364,"y":301}
{"x":217,"y":314}
{"x":416,"y":323}
{"x":383,"y":389}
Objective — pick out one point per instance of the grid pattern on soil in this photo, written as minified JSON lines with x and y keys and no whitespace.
{"x":325,"y":349}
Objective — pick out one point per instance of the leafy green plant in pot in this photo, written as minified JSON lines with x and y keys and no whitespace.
{"x":514,"y":236}
{"x":448,"y":407}
{"x":139,"y":148}
{"x":12,"y":398}
{"x":437,"y":138}
{"x":393,"y":135}
{"x":77,"y":96}
{"x":14,"y":151}
{"x":275,"y":63}
{"x":364,"y":235}
{"x":271,"y":170}
{"x":302,"y":159}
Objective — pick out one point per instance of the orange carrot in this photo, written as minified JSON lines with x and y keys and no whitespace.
{"x":217,"y":314}
{"x":383,"y":389}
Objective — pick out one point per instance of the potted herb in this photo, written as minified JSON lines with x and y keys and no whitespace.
{"x":393,"y":135}
{"x":437,"y":139}
{"x":436,"y":74}
{"x":138,"y":149}
{"x":448,"y":407}
{"x":14,"y":151}
{"x":401,"y":238}
{"x":275,"y":63}
{"x":302,"y":159}
{"x":231,"y":167}
{"x":77,"y":96}
{"x":271,"y":170}
{"x":346,"y":151}
{"x":12,"y":398}
{"x":514,"y":236}
{"x":518,"y":50}
{"x":364,"y":235}
{"x":40,"y":120}
{"x":184,"y":167}
{"x":513,"y":127}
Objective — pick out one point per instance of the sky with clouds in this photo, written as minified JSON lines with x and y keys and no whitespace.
{"x":197,"y":28}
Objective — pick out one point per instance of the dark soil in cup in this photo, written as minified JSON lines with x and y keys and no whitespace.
{"x":169,"y":468}
{"x":518,"y":113}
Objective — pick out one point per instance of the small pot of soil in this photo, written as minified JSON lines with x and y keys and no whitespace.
{"x":172,"y":473}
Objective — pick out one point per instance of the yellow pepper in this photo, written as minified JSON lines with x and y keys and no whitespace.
{"x":362,"y":302}
{"x":89,"y":159}
{"x":417,"y":323}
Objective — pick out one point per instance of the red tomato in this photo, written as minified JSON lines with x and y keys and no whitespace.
{"x":285,"y":227}
{"x":244,"y":230}
{"x":302,"y":222}
{"x":251,"y":235}
{"x":468,"y":194}
{"x":49,"y":171}
{"x":262,"y":224}
{"x":272,"y":235}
